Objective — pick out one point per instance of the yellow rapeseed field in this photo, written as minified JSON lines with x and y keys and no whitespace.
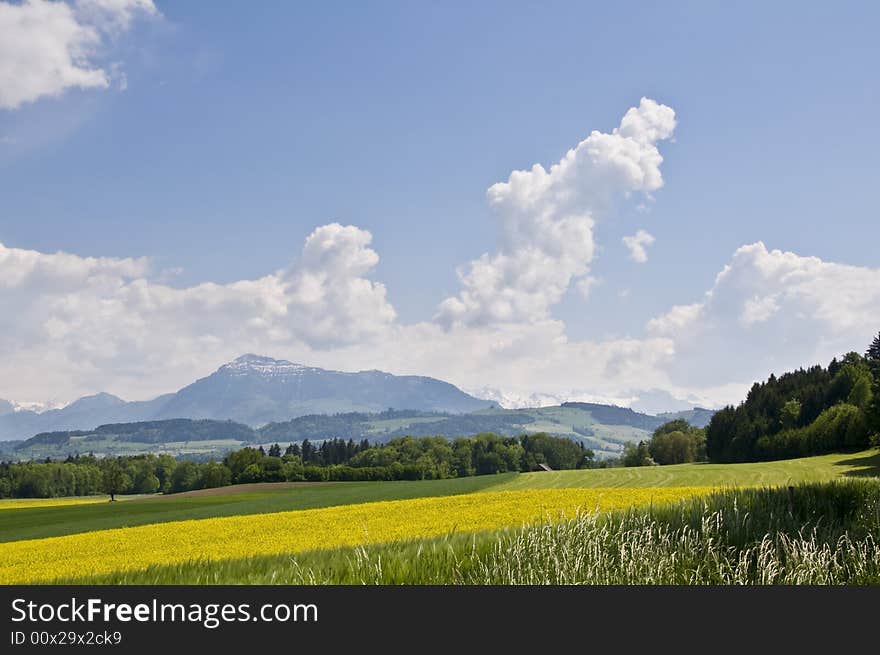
{"x":21,"y":503}
{"x":127,"y":549}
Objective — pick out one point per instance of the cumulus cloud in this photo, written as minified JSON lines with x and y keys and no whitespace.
{"x":47,"y":47}
{"x":88,"y":322}
{"x":636,"y":245}
{"x":546,"y":220}
{"x":331,"y":299}
{"x":72,"y":325}
{"x":519,"y":362}
{"x":767,"y":311}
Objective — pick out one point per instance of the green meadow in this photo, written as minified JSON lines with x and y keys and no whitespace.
{"x":41,"y":522}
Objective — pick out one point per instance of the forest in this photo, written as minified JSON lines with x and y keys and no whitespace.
{"x":806,"y":412}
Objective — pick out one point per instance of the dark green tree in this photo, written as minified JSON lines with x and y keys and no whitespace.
{"x":872,"y":356}
{"x":214,"y":474}
{"x":791,"y":412}
{"x":114,"y":480}
{"x":185,"y":477}
{"x":673,"y":448}
{"x":873,"y":352}
{"x":637,"y":455}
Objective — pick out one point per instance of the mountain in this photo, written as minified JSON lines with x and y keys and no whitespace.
{"x":6,"y":407}
{"x":83,"y":414}
{"x":252,"y":390}
{"x":257,"y":390}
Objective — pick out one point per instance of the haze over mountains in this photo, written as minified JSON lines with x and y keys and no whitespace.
{"x":253,"y":390}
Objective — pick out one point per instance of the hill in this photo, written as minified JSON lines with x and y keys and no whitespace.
{"x":174,"y":436}
{"x":698,"y":416}
{"x":602,"y":428}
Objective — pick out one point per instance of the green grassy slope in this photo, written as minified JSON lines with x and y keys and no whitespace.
{"x":40,"y":522}
{"x":790,"y":471}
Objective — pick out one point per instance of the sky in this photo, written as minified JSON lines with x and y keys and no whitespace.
{"x":538,"y":202}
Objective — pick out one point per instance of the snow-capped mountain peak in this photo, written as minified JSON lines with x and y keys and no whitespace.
{"x":250,"y":364}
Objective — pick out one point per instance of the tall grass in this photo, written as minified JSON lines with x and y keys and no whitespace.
{"x":825,"y":533}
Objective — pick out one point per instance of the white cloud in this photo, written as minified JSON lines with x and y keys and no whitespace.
{"x":330,"y":298}
{"x":72,"y":325}
{"x":47,"y":48}
{"x":77,"y":324}
{"x":676,"y":318}
{"x":546,"y":219}
{"x":520,"y":361}
{"x":758,"y":309}
{"x":771,"y":311}
{"x":636,"y":245}
{"x":114,"y":16}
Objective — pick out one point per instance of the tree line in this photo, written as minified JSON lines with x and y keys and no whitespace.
{"x":403,"y":458}
{"x":806,"y":412}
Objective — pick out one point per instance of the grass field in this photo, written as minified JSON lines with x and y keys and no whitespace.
{"x":267,"y":524}
{"x":128,"y":549}
{"x":820,"y":533}
{"x":40,"y":522}
{"x":782,"y":472}
{"x":61,"y":519}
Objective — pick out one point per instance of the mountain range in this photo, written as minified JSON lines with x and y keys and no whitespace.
{"x":253,"y":390}
{"x":261,"y":392}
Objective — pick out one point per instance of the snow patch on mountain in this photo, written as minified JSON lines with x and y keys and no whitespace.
{"x":264,"y":366}
{"x":36,"y":407}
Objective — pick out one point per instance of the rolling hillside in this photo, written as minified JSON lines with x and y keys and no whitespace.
{"x":603,"y":428}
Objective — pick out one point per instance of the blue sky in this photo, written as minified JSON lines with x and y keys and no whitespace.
{"x":240,"y":130}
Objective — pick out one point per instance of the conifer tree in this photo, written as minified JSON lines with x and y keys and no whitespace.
{"x":873,"y":353}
